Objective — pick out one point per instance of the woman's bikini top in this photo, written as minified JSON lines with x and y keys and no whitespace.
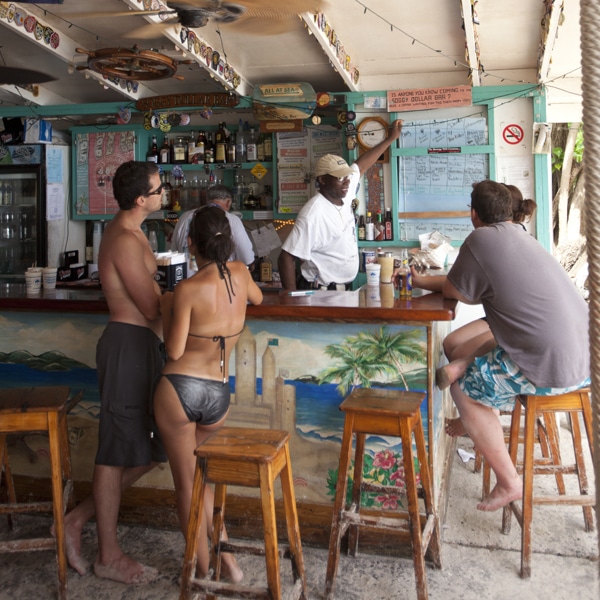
{"x":226,"y":277}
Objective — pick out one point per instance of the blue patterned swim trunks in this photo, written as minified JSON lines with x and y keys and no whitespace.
{"x":495,"y":380}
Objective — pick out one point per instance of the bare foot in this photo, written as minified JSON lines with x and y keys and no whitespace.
{"x":126,"y":570}
{"x":73,"y":543}
{"x":455,"y":427}
{"x":499,"y":497}
{"x":230,"y":569}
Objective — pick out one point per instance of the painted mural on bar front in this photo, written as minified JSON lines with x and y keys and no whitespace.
{"x":284,"y":375}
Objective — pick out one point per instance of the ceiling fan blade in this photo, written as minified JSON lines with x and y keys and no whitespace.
{"x":259,"y":8}
{"x":147,"y":32}
{"x":16,"y":76}
{"x":107,"y":14}
{"x":261,"y":26}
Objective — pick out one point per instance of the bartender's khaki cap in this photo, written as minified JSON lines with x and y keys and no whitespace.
{"x":333,"y":165}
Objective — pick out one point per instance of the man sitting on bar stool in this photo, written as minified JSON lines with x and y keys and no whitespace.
{"x":537,"y":317}
{"x":324,"y":236}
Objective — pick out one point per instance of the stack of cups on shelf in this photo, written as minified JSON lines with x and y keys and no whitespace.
{"x":33,"y":280}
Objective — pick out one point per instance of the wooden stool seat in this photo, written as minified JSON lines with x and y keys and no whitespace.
{"x":28,"y":410}
{"x":572,"y":404}
{"x":249,"y":458}
{"x":397,"y":414}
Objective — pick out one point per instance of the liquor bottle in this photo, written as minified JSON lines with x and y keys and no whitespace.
{"x":8,"y":193}
{"x":152,"y":154}
{"x":231,"y":146}
{"x":379,"y":228}
{"x":268,"y":147}
{"x":194,"y":199}
{"x":191,"y":148}
{"x":362,"y":230}
{"x":172,"y":151}
{"x":176,"y":190}
{"x":240,"y":143}
{"x":221,"y":144}
{"x":180,"y":149}
{"x":165,"y":153}
{"x":251,"y":150}
{"x":266,"y":270}
{"x":260,"y":148}
{"x":199,"y":153}
{"x":165,"y":201}
{"x":388,"y":224}
{"x":369,"y":228}
{"x":209,"y":149}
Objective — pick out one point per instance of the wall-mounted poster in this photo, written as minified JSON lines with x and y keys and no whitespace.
{"x":297,"y":153}
{"x":98,"y":155}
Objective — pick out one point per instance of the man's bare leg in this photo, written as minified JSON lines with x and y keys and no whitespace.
{"x":484,"y":428}
{"x":76,"y":519}
{"x":111,"y":563}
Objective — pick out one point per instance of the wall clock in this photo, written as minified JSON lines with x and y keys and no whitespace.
{"x":370,"y":132}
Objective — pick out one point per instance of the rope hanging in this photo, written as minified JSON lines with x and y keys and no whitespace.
{"x":590,"y":62}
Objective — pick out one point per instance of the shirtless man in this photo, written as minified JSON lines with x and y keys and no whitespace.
{"x":128,"y":362}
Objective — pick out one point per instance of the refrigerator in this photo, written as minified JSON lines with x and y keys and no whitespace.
{"x":23,"y":230}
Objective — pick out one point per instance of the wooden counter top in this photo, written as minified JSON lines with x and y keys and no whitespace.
{"x":360,"y":305}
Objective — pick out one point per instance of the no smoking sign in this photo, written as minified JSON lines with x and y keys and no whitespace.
{"x":512,"y":134}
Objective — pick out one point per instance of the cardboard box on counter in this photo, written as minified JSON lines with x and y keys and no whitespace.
{"x":171,"y":269}
{"x":74,"y":272}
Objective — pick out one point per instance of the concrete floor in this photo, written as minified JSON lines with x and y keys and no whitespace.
{"x":478,"y":560}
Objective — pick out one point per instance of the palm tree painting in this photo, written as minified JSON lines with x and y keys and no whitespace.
{"x":362,"y":358}
{"x":373,"y":353}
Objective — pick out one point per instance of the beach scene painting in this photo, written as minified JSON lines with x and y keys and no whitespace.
{"x":284,"y":375}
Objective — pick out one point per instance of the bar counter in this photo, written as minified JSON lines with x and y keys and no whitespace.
{"x":296,"y":360}
{"x":360,"y":304}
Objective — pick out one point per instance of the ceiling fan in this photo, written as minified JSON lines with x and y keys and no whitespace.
{"x":260,"y":17}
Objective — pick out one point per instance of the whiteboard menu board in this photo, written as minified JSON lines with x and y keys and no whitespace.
{"x":434,"y":187}
{"x":297,"y":153}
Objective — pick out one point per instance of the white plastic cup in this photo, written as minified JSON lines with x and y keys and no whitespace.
{"x":49,"y":278}
{"x":33,"y":281}
{"x":373,"y":273}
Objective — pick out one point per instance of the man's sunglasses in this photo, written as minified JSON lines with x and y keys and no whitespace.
{"x":157,"y":192}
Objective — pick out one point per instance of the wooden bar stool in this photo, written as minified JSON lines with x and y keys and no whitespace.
{"x":250,"y":458}
{"x":572,"y":403}
{"x":28,"y":410}
{"x":390,"y":413}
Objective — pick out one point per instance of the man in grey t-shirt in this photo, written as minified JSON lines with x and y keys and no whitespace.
{"x":538,"y":319}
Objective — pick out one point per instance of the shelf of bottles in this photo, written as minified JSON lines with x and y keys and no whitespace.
{"x":192,"y":162}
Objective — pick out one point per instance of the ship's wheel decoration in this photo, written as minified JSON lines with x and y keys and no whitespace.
{"x":131,"y":63}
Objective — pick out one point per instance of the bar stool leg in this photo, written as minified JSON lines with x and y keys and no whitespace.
{"x":413,"y":513}
{"x":267,"y":500}
{"x":527,"y":505}
{"x":435,"y":544}
{"x":359,"y":461}
{"x":291,"y":519}
{"x":190,"y":559}
{"x":338,"y":505}
{"x":513,"y":447}
{"x":580,"y":466}
{"x":218,"y":521}
{"x":10,"y":486}
{"x":69,"y":496}
{"x":57,"y":499}
{"x":553,"y":447}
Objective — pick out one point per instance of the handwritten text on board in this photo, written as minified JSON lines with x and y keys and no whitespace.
{"x":420,"y":99}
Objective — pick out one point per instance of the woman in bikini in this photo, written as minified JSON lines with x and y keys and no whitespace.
{"x":202,"y":321}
